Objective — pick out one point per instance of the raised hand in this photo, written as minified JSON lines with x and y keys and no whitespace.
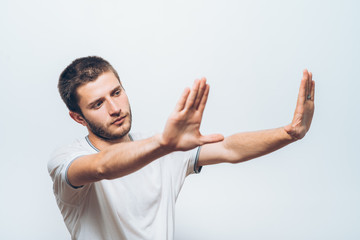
{"x":304,"y":108}
{"x":182,"y":130}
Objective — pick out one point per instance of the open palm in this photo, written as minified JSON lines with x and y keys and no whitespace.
{"x":182,"y":130}
{"x":304,"y":110}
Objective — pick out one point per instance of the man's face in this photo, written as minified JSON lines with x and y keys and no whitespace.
{"x":105,"y":107}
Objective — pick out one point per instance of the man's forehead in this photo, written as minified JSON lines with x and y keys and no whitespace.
{"x":98,"y":88}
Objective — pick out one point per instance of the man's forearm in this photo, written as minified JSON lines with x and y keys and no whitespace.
{"x":249,"y":145}
{"x":244,"y":146}
{"x":116,"y":161}
{"x":119,"y":160}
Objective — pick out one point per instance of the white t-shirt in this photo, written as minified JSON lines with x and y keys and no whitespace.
{"x":140,"y":205}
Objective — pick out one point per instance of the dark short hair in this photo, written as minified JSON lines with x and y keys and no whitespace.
{"x":79,"y":72}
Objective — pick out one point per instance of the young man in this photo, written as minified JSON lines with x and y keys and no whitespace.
{"x":113,"y":184}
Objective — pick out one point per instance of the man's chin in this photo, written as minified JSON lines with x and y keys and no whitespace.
{"x":111,"y":132}
{"x":114,"y":135}
{"x":121,"y":132}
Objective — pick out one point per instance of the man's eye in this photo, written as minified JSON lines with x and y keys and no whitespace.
{"x":97,"y":105}
{"x":117,"y":93}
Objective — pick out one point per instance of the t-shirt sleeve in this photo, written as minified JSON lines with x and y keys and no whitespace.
{"x":57,"y":167}
{"x":194,"y":159}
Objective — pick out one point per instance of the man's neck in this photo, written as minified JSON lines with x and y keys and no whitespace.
{"x":101,"y":144}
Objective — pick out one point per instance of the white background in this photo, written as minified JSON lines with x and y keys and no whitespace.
{"x":252,"y":52}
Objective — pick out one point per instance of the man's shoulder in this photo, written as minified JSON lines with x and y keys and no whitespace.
{"x":68,"y":152}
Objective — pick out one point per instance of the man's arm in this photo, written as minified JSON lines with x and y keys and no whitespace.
{"x":245,"y":146}
{"x":181,"y":133}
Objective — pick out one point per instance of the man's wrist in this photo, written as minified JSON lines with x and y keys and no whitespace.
{"x":163,"y":144}
{"x":289,"y":133}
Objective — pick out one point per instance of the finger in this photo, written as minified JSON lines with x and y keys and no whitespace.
{"x":302,"y":89}
{"x":213,"y":138}
{"x":204,"y":98}
{"x":181,"y":103}
{"x":312,"y":90}
{"x":308,"y":95}
{"x":192,"y":96}
{"x":308,"y":85}
{"x":200,"y":94}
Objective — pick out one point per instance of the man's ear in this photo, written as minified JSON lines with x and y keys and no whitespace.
{"x":78,"y":118}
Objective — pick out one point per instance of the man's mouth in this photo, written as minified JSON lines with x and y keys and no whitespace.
{"x":119,"y":120}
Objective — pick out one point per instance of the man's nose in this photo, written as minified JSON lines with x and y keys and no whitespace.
{"x":113,"y":108}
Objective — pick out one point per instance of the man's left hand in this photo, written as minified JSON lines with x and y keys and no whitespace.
{"x":304,"y":108}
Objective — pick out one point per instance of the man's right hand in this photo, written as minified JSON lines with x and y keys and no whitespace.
{"x":182,"y":129}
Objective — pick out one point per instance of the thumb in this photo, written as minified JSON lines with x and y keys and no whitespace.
{"x":213,"y":138}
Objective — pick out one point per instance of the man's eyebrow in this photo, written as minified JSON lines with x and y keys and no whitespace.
{"x":116,"y":89}
{"x":90,"y":105}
